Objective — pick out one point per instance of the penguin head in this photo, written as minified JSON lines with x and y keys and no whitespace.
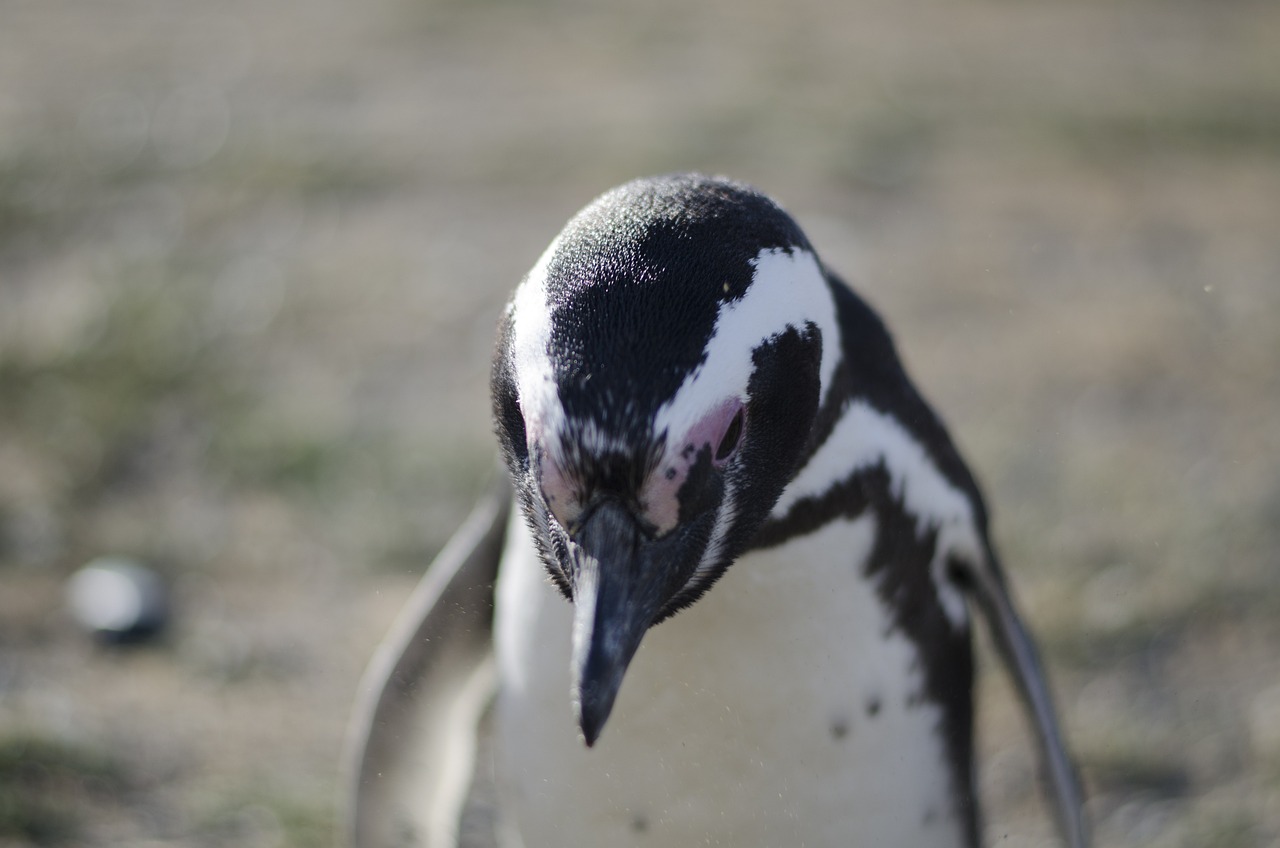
{"x":655,"y":386}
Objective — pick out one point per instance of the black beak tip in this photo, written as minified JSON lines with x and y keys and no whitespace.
{"x":592,"y":713}
{"x":590,"y":735}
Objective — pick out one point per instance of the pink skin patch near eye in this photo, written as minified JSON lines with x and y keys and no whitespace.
{"x":720,"y":431}
{"x":659,"y":495}
{"x":559,"y":491}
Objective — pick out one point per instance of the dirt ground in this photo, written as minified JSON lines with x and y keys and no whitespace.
{"x":251,"y":255}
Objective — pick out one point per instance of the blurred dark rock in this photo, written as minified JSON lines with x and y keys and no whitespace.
{"x":118,"y":600}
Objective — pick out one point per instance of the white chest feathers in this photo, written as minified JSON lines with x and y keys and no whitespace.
{"x":780,"y":710}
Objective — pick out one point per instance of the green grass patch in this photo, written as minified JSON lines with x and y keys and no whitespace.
{"x":1225,"y":830}
{"x":267,"y":816}
{"x":1129,"y":770}
{"x":94,"y":405}
{"x":43,"y":781}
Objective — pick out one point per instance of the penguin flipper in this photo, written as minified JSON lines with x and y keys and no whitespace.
{"x":986,"y":586}
{"x":411,"y":743}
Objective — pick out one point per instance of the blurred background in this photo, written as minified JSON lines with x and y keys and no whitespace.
{"x":251,"y":255}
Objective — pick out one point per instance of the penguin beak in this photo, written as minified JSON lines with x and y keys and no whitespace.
{"x":621,"y":582}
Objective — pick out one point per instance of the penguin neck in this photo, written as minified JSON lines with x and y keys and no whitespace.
{"x":878,"y":451}
{"x":871,"y":414}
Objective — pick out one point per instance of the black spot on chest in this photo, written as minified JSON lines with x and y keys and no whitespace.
{"x":900,"y":567}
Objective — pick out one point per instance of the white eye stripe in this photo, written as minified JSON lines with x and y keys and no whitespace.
{"x":531,"y":354}
{"x":788,"y":289}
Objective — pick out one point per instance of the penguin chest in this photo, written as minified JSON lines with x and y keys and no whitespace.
{"x":781,"y":709}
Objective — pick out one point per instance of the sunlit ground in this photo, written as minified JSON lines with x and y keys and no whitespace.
{"x":250,"y":259}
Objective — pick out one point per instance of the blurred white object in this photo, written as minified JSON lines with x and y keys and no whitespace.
{"x":118,"y":599}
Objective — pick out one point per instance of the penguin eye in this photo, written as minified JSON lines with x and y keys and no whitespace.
{"x":732,"y":436}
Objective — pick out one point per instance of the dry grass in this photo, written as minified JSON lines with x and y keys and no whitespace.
{"x":250,"y":257}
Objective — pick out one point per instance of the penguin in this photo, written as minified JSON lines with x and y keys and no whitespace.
{"x":724,"y":595}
